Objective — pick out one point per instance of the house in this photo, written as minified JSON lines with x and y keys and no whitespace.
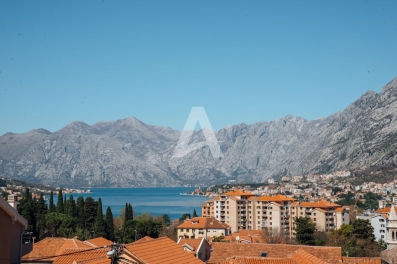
{"x":223,"y":251}
{"x":207,"y":209}
{"x":298,"y":257}
{"x":48,"y":249}
{"x":247,"y":236}
{"x":12,"y":227}
{"x":199,"y":227}
{"x":158,"y":251}
{"x":198,"y":246}
{"x":99,"y":242}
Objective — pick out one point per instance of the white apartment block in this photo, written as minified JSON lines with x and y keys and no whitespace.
{"x":243,"y":210}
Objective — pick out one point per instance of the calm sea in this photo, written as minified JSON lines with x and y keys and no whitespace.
{"x":156,"y":201}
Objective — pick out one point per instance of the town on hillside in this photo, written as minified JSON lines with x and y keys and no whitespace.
{"x":236,"y":226}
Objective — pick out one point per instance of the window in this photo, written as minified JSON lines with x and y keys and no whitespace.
{"x":227,"y":202}
{"x":259,"y":222}
{"x":187,"y":229}
{"x":301,"y":213}
{"x":314,"y":219}
{"x":259,"y":217}
{"x":382,"y":236}
{"x":227,"y":207}
{"x":270,"y":218}
{"x":314,"y":214}
{"x":270,"y":223}
{"x":381,"y":220}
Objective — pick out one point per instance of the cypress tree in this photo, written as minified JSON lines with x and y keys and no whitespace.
{"x":71,"y":207}
{"x":194,"y":213}
{"x":109,"y":224}
{"x":80,"y":212}
{"x":100,"y":228}
{"x":65,"y":204}
{"x":130,"y":212}
{"x":60,"y":206}
{"x":51,"y":206}
{"x":126,"y":214}
{"x":89,"y":214}
{"x":41,"y":211}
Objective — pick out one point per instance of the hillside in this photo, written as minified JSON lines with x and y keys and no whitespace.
{"x":128,"y":152}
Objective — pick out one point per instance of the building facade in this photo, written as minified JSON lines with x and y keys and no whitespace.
{"x":199,"y":227}
{"x":242,"y":210}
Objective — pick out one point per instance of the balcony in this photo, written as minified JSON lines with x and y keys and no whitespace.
{"x":264,"y":224}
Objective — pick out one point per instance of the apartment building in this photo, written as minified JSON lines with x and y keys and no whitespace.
{"x":242,"y":210}
{"x":199,"y":227}
{"x":324,"y":214}
{"x":231,"y":208}
{"x":207,"y":209}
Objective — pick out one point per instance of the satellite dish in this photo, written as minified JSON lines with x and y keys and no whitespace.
{"x":237,"y":238}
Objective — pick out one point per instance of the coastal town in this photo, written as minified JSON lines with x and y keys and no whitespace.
{"x":242,"y":217}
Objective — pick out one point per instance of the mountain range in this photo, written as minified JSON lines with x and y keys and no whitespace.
{"x":128,"y":152}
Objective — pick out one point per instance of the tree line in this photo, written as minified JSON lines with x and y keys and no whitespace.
{"x":84,"y":218}
{"x":356,"y":239}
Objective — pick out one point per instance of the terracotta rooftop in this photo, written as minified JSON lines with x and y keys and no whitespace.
{"x":256,"y":260}
{"x":222,"y":251}
{"x":191,"y":242}
{"x":99,"y":242}
{"x":298,"y":257}
{"x":321,"y":204}
{"x":50,"y":247}
{"x":70,"y":255}
{"x":302,"y":257}
{"x":239,"y":193}
{"x":203,"y":222}
{"x":275,"y":198}
{"x":161,"y":250}
{"x":385,"y":210}
{"x":361,"y":260}
{"x":254,"y":236}
{"x":143,"y":239}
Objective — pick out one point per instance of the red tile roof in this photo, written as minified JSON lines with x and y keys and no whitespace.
{"x":321,"y":204}
{"x":99,"y":242}
{"x":275,"y":198}
{"x":361,"y":260}
{"x":302,"y":257}
{"x":257,"y":260}
{"x":161,"y":250}
{"x":298,"y":257}
{"x":385,"y":210}
{"x":203,"y":223}
{"x":239,"y":193}
{"x":222,"y":251}
{"x":191,"y":242}
{"x":70,"y":255}
{"x":50,"y":247}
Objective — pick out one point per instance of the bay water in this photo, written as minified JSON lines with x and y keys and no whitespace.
{"x":156,"y":201}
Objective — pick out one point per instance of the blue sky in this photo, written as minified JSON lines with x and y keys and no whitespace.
{"x":243,"y":61}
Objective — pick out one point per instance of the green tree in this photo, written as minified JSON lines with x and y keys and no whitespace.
{"x":305,"y":231}
{"x":166,"y":219}
{"x":71,"y":207}
{"x":195,"y":213}
{"x":144,"y":225}
{"x":89,"y":213}
{"x":51,"y":206}
{"x":363,"y":229}
{"x":184,"y":217}
{"x":59,"y":225}
{"x":60,"y":206}
{"x":80,"y":218}
{"x":40,"y":211}
{"x":109,"y":224}
{"x":100,"y":224}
